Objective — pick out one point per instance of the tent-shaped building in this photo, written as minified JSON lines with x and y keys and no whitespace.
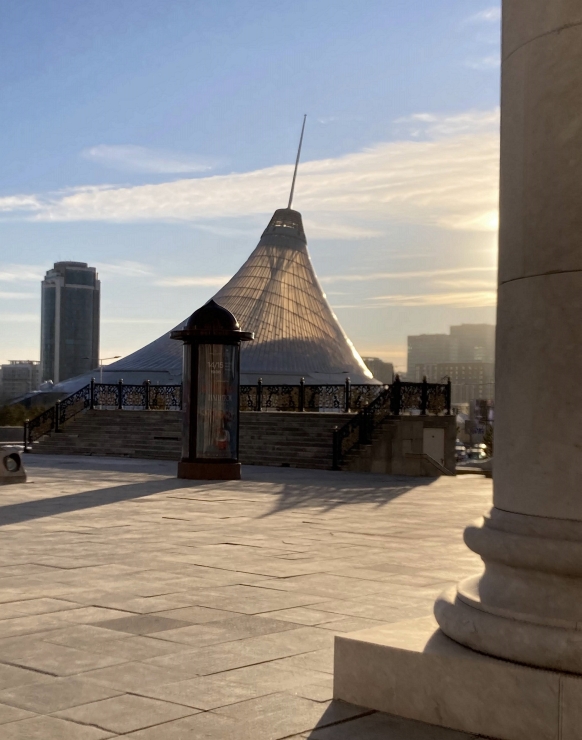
{"x":276,"y":295}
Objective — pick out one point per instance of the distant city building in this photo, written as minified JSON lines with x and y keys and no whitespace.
{"x":469,"y":380}
{"x":465,"y":343}
{"x":17,"y":378}
{"x":69,"y":321}
{"x":382,"y":371}
{"x":472,"y":343}
{"x":427,"y":349}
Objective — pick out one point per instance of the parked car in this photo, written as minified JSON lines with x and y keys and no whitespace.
{"x":477,"y":453}
{"x":460,"y":452}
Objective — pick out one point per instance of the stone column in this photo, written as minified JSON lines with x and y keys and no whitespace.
{"x":527,"y":604}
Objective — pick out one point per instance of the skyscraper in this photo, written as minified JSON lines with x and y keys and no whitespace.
{"x":69,"y":321}
{"x":473,"y":343}
{"x":425,"y":349}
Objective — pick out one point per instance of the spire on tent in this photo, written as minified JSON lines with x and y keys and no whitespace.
{"x":297,"y":163}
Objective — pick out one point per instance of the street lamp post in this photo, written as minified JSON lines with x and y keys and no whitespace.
{"x":101,"y":361}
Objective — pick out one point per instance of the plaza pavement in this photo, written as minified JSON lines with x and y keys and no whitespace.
{"x":133,"y":604}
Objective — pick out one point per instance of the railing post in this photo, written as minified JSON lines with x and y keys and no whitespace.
{"x":260,"y":394}
{"x":25,"y":436}
{"x":336,"y":450}
{"x":57,"y":414}
{"x":424,"y":396}
{"x":348,"y":404}
{"x":448,"y":395}
{"x":147,"y":394}
{"x":92,"y":394}
{"x":120,"y":394}
{"x":302,"y":394}
{"x":363,"y":437}
{"x":396,"y":396}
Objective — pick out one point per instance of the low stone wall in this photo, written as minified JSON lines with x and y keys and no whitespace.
{"x":298,"y":440}
{"x":399,"y":446}
{"x":11,"y":434}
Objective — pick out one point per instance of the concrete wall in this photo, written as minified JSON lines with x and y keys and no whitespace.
{"x":398,"y":447}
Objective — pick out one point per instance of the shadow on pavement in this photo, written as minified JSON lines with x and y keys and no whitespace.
{"x":39,"y":508}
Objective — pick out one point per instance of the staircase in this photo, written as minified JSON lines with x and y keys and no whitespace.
{"x":290,"y":439}
{"x":145,"y":434}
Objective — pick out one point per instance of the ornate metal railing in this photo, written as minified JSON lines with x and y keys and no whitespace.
{"x":103,"y":396}
{"x":398,"y":399}
{"x":342,"y":398}
{"x":372,"y":403}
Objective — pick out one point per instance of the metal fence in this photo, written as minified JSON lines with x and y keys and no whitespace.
{"x":370,"y":402}
{"x":103,"y":396}
{"x":342,"y":398}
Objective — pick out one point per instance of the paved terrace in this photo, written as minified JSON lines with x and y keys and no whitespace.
{"x":136,"y":605}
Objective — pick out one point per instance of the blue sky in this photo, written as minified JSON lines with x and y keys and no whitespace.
{"x":154,"y":139}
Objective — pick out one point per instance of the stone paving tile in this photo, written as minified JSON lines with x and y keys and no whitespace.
{"x":315,"y":692}
{"x":137,"y":647}
{"x":197,"y":614}
{"x":317,"y":660}
{"x":141,"y":624}
{"x":127,"y":713}
{"x":350,"y":624}
{"x":252,"y":599}
{"x":205,"y":726}
{"x":302,"y":615}
{"x":81,"y":636}
{"x":55,"y":694}
{"x":57,"y":660}
{"x":227,"y":656}
{"x":11,"y":676}
{"x":271,"y":677}
{"x":227,"y":630}
{"x":52,"y":728}
{"x":222,"y":597}
{"x":208,"y":692}
{"x":12,"y":714}
{"x":136,"y":676}
{"x":379,"y":726}
{"x":279,"y":715}
{"x":327,"y":585}
{"x":33,"y":606}
{"x":32,"y":624}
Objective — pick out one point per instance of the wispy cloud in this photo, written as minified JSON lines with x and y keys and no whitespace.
{"x":20,"y":317}
{"x":130,"y":158}
{"x":14,"y":273}
{"x":216,"y":281}
{"x":492,"y":61}
{"x":488,"y":15}
{"x":121,"y":320}
{"x":472,"y":299}
{"x":448,"y":180}
{"x":405,"y":275}
{"x":124,"y":268}
{"x":7,"y":295}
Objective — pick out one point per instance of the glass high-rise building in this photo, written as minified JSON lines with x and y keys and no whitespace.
{"x":69,"y":321}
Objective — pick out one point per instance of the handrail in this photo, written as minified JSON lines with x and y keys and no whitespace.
{"x":369,"y":401}
{"x":103,"y":395}
{"x":398,"y":399}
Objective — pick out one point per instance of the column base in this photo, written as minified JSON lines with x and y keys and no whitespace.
{"x":412,"y":670}
{"x":209,"y":471}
